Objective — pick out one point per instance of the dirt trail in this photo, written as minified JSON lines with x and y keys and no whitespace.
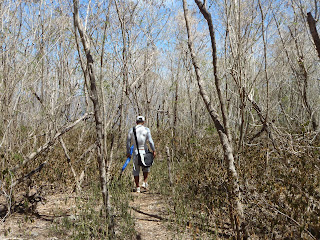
{"x":151,"y":217}
{"x":149,"y":212}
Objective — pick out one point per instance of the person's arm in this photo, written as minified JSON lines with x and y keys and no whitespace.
{"x":129,"y":141}
{"x":149,"y":137}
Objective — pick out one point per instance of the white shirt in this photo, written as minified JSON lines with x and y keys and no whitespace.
{"x":143,"y":135}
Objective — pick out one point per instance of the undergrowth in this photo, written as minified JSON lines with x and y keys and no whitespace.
{"x":88,"y":221}
{"x":280,"y":190}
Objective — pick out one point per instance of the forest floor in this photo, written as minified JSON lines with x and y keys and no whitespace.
{"x":149,"y":210}
{"x":39,"y":225}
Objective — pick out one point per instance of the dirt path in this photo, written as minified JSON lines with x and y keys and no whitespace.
{"x":150,"y":214}
{"x":151,"y":217}
{"x":150,"y":211}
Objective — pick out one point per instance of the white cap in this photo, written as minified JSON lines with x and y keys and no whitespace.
{"x":140,"y":119}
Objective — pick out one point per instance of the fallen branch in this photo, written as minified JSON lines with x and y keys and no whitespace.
{"x":266,"y":125}
{"x":38,"y":169}
{"x":48,"y":144}
{"x":149,"y":214}
{"x":66,"y":153}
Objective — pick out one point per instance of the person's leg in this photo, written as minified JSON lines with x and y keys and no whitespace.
{"x":145,"y":176}
{"x":136,"y":180}
{"x":146,"y":171}
{"x":135,"y":172}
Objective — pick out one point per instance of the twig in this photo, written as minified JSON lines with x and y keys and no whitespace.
{"x":290,"y":218}
{"x":89,"y":150}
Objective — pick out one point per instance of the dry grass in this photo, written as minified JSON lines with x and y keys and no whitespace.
{"x":280,"y":191}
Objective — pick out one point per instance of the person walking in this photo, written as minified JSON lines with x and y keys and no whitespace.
{"x":143,"y":136}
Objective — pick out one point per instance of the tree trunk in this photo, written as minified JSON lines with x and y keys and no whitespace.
{"x":237,"y":217}
{"x":97,"y":107}
{"x":316,"y":39}
{"x":314,"y":32}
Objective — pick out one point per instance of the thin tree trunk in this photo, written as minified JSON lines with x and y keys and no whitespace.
{"x":175,"y":106}
{"x":225,"y":139}
{"x":265,"y":58}
{"x":101,"y":78}
{"x":125,"y":73}
{"x":169,"y":166}
{"x":314,"y":32}
{"x":96,"y":105}
{"x":208,"y":18}
{"x":316,"y":39}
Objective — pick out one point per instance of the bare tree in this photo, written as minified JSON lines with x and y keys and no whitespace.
{"x":236,"y":209}
{"x":97,"y":112}
{"x":293,"y":41}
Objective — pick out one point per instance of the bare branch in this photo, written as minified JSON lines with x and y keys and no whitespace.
{"x":48,"y":144}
